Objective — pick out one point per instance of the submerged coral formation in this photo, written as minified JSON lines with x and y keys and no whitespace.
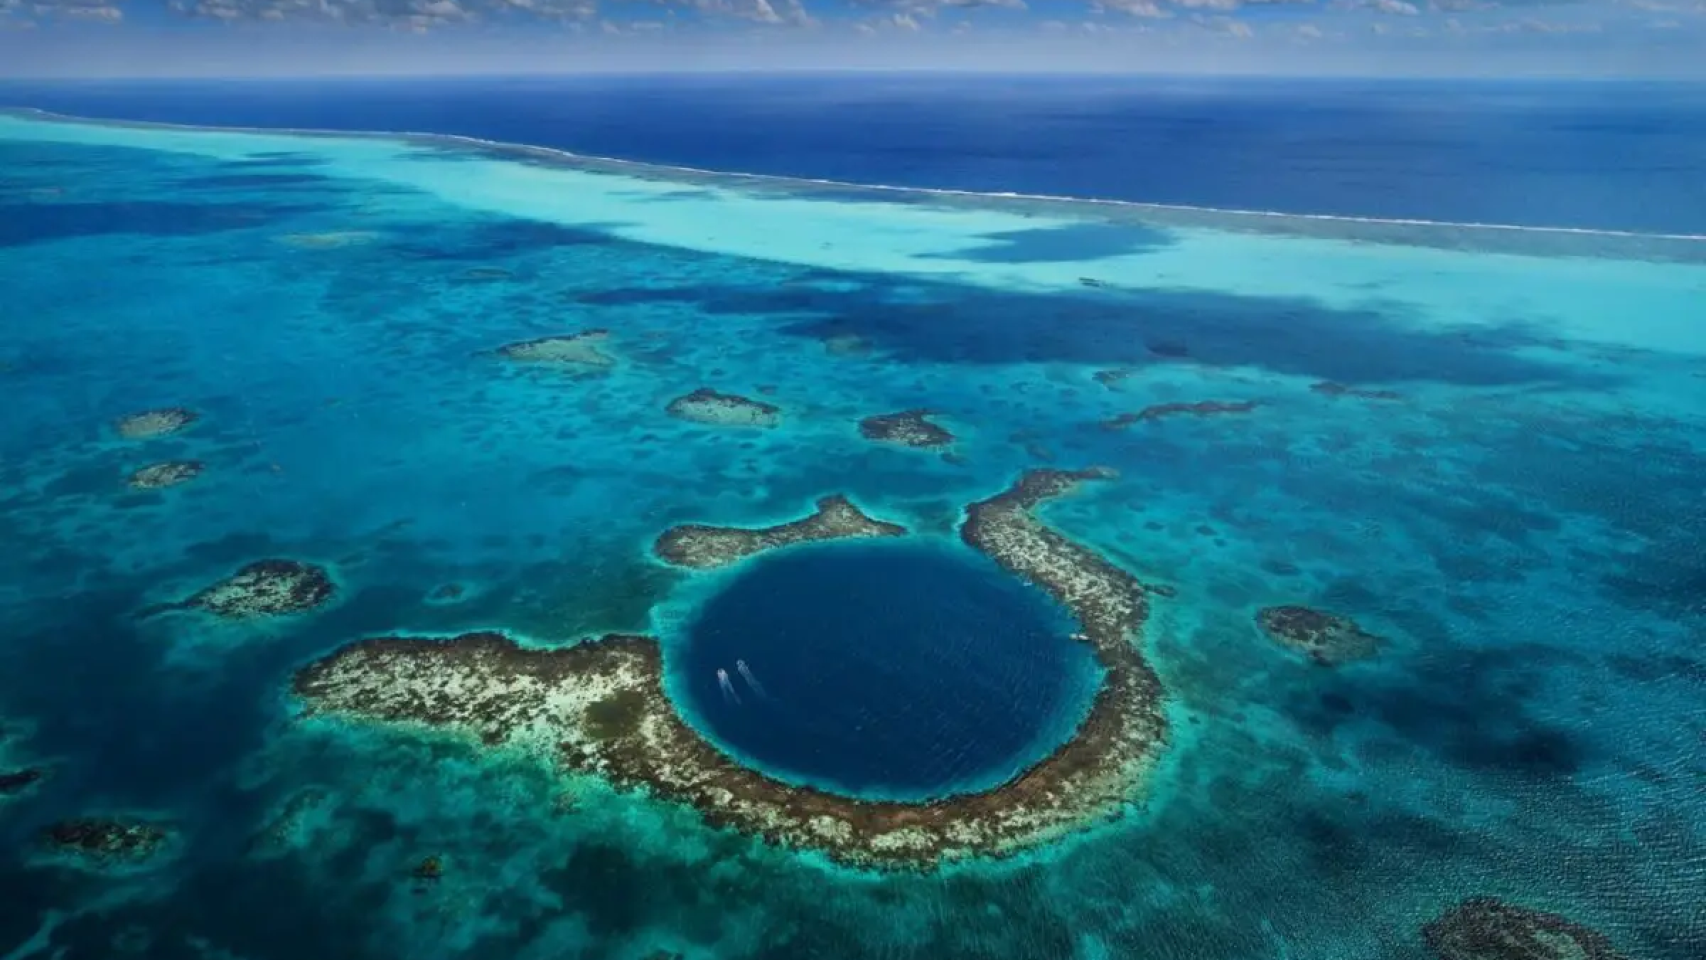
{"x":1486,"y":928}
{"x":1331,"y":389}
{"x":16,"y":777}
{"x":836,"y":518}
{"x":572,"y":350}
{"x":287,"y":826}
{"x":154,"y":423}
{"x":14,"y":782}
{"x":168,"y":474}
{"x":262,"y":588}
{"x":107,"y":841}
{"x":330,"y":240}
{"x":1202,"y":408}
{"x":430,"y":870}
{"x":846,"y":345}
{"x":600,"y":707}
{"x":1327,"y":638}
{"x":705,"y":405}
{"x":909,"y":428}
{"x":1114,"y":377}
{"x":447,"y":593}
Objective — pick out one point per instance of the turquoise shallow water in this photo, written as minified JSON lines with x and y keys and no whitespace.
{"x":1521,"y":522}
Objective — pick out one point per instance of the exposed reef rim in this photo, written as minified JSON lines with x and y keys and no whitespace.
{"x":601,"y":707}
{"x":703,"y":546}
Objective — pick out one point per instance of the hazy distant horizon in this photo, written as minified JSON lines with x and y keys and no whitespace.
{"x":1621,"y":39}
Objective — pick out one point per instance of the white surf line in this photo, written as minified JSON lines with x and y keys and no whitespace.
{"x":850,"y":185}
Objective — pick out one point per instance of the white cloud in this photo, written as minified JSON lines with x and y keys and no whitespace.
{"x":1230,"y":26}
{"x":88,"y":11}
{"x":407,"y":14}
{"x":413,"y":14}
{"x":902,"y":22}
{"x":1146,"y":9}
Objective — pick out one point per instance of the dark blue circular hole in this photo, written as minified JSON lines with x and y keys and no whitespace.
{"x":884,"y":670}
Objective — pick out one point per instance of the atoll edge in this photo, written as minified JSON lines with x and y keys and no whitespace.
{"x":601,"y":707}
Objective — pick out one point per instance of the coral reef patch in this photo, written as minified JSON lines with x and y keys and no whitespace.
{"x":15,"y":782}
{"x":287,"y":826}
{"x":154,"y":423}
{"x":260,"y":589}
{"x":1486,"y":928}
{"x":576,"y":350}
{"x":846,"y":345}
{"x":1161,"y":411}
{"x":447,"y":593}
{"x":1112,"y":378}
{"x":330,"y":240}
{"x":157,"y":476}
{"x":705,"y":405}
{"x":600,"y":707}
{"x":1331,"y":389}
{"x":104,"y":842}
{"x":1328,"y":639}
{"x":701,"y":546}
{"x":909,"y":428}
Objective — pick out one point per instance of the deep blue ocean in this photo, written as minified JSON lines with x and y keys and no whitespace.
{"x":457,"y":379}
{"x":1619,"y":156}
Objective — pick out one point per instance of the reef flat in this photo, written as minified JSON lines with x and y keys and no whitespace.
{"x":154,"y":423}
{"x":158,"y":476}
{"x":576,"y":350}
{"x":1161,"y":411}
{"x":1486,"y":928}
{"x":910,"y":428}
{"x":702,"y":546}
{"x":705,"y":405}
{"x":262,"y":588}
{"x":601,"y":707}
{"x":1326,"y":638}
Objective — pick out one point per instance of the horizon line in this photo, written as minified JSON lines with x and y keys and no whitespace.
{"x":652,"y":71}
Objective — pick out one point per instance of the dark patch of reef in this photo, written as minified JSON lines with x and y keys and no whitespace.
{"x":1486,"y":928}
{"x":154,"y":423}
{"x":331,"y":240}
{"x":1201,"y":408}
{"x":702,"y":546}
{"x":288,"y":826}
{"x":157,"y":476}
{"x":106,"y":841}
{"x":261,"y":589}
{"x":576,"y":350}
{"x":600,"y":707}
{"x":846,"y":345}
{"x":705,"y":405}
{"x":16,"y":777}
{"x":1113,"y":378}
{"x":447,"y":593}
{"x":15,"y":782}
{"x":1327,"y":639}
{"x":910,"y":428}
{"x":1331,"y":389}
{"x":479,"y":274}
{"x":427,"y":873}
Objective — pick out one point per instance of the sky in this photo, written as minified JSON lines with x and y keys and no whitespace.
{"x":276,"y":38}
